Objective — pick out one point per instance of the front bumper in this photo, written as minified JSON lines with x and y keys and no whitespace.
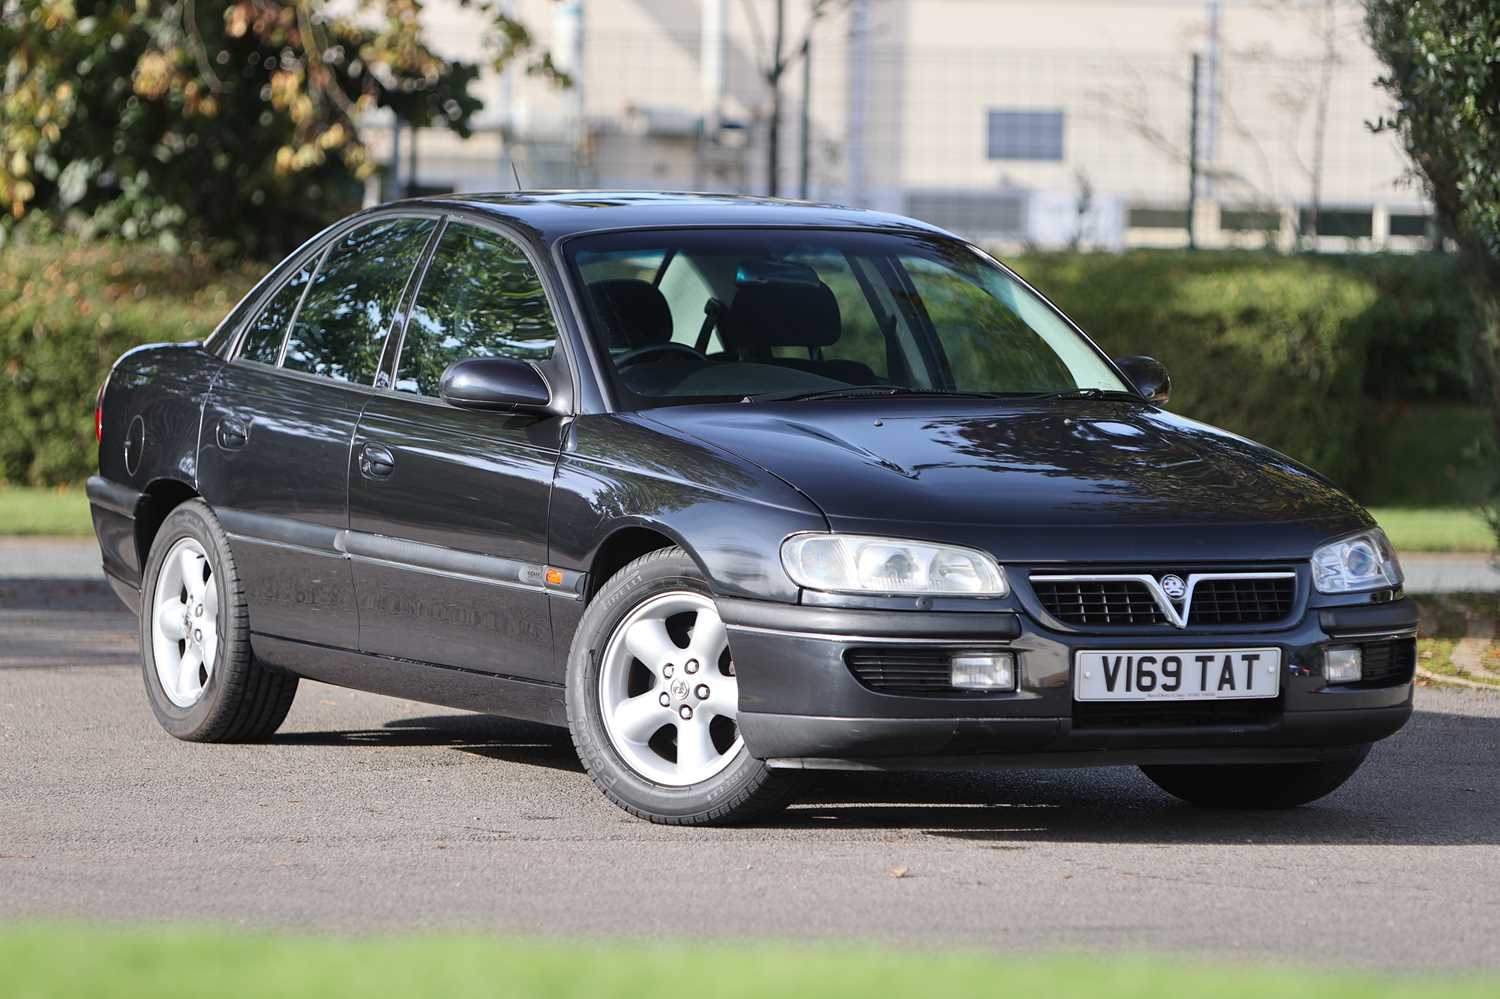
{"x":802,"y":706}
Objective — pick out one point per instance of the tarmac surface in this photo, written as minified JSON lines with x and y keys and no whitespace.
{"x":368,"y":813}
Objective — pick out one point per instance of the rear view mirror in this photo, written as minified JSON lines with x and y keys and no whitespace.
{"x":494,"y":383}
{"x":1148,"y":376}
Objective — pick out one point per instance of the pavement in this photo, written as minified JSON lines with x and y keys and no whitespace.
{"x":369,"y":813}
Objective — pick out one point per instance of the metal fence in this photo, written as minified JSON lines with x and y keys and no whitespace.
{"x":1008,"y":145}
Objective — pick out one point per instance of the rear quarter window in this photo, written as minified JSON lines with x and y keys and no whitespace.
{"x":266,"y":331}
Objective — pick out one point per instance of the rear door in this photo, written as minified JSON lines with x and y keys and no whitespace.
{"x":448,"y":507}
{"x":278,"y":425}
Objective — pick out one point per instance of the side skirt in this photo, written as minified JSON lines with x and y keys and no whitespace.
{"x":471,"y":690}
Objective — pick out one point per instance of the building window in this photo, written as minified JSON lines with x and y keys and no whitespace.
{"x":1026,"y":135}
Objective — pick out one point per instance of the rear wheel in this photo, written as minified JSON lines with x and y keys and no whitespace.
{"x":1256,"y":786}
{"x":653,"y":698}
{"x":201,"y":680}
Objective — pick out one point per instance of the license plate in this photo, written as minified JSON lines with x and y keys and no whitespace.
{"x":1176,"y":674}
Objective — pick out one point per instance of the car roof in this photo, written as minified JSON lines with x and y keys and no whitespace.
{"x":553,"y":215}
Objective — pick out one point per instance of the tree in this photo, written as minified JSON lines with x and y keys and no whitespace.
{"x":233,"y":122}
{"x":1443,"y":61}
{"x":780,"y":59}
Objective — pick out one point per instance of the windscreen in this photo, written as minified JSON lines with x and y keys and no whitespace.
{"x":704,"y":315}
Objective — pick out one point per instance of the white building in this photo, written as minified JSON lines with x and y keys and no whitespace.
{"x":1047,"y":121}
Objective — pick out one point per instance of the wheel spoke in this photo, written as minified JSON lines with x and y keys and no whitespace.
{"x":169,"y":620}
{"x":649,"y":642}
{"x":191,"y":564}
{"x":724,"y":697}
{"x":708,"y":639}
{"x":638,"y":718}
{"x":209,"y":646}
{"x":187,"y":673}
{"x":695,"y":750}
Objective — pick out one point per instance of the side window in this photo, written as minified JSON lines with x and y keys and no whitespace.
{"x":349,"y":309}
{"x":263,"y":337}
{"x":480,"y":298}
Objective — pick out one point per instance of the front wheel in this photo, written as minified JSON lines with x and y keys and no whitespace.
{"x":653,"y":698}
{"x":1256,"y":786}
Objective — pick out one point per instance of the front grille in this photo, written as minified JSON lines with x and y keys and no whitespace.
{"x":1242,"y":601}
{"x":1387,"y":664}
{"x":1099,"y":602}
{"x":1089,"y":603}
{"x":1174,"y":714}
{"x":905,"y":670}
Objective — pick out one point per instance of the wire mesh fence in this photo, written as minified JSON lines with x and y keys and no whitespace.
{"x":1073,"y":146}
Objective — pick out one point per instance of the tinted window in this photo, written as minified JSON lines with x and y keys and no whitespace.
{"x":348,"y":311}
{"x":480,"y":298}
{"x":806,"y":311}
{"x":263,"y":338}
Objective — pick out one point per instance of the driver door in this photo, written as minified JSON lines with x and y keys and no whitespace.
{"x":448,"y":506}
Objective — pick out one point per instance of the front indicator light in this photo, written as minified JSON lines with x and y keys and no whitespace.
{"x":984,"y":671}
{"x":1343,"y":665}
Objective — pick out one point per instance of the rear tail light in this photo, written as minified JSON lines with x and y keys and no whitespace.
{"x":99,"y":413}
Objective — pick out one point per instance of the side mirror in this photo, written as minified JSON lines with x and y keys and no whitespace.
{"x":494,"y":383}
{"x":1148,"y":375}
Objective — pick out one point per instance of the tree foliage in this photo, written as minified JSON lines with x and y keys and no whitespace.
{"x":1444,"y":75}
{"x":238,"y":121}
{"x":1443,"y":60}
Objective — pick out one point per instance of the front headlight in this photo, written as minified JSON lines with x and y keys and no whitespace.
{"x":850,"y":563}
{"x":1363,"y":562}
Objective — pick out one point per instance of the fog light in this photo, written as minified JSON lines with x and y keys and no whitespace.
{"x":984,"y":670}
{"x":1344,"y":665}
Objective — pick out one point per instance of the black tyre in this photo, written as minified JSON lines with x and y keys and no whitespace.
{"x":652,"y":700}
{"x":201,"y":679}
{"x":1256,"y":786}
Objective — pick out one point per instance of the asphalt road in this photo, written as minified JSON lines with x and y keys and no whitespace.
{"x":372,"y":813}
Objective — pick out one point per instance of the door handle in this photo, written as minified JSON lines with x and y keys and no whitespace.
{"x":376,"y":462}
{"x":232,"y":434}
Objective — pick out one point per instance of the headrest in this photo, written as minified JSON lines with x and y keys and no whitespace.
{"x":781,"y":314}
{"x":634,"y":312}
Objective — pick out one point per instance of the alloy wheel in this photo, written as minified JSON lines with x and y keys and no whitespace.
{"x":185,"y":623}
{"x":668,"y":691}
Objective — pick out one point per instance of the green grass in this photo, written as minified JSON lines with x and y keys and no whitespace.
{"x":25,"y":510}
{"x":70,"y":961}
{"x":1443,"y":529}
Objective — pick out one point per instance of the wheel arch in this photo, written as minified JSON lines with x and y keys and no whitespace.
{"x":628,"y":542}
{"x":160,"y":498}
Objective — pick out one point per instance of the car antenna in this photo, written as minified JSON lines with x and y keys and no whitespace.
{"x":517,"y":174}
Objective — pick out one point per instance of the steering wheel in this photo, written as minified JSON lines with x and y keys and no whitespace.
{"x":640,"y":355}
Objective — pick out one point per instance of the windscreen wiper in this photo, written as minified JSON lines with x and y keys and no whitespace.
{"x":1083,"y":393}
{"x":864,"y":391}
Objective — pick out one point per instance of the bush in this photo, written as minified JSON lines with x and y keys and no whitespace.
{"x":1319,"y":357}
{"x":1289,"y":351}
{"x":66,"y":313}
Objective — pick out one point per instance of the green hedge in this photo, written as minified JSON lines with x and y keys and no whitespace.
{"x":66,"y":313}
{"x":1304,"y":354}
{"x":1320,"y":357}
